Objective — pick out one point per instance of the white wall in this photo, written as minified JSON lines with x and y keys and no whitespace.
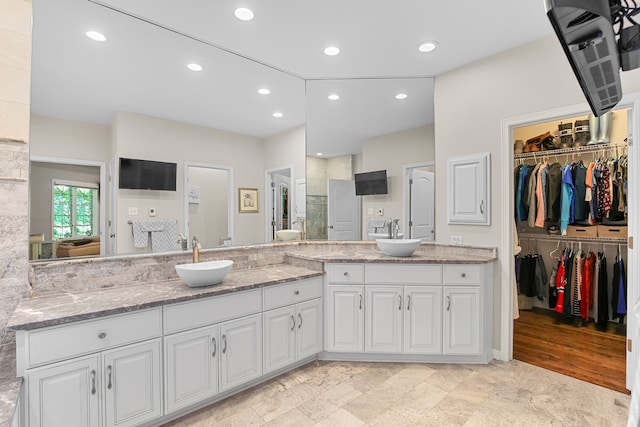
{"x":470,"y":104}
{"x":69,"y":139}
{"x":392,"y":152}
{"x":208,"y":219}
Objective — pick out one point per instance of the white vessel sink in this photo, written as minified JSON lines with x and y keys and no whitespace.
{"x":375,"y":236}
{"x":398,"y":247}
{"x":204,"y":273}
{"x":288,"y":234}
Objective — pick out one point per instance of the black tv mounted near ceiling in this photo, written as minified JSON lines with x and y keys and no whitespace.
{"x":138,"y":174}
{"x":368,"y":183}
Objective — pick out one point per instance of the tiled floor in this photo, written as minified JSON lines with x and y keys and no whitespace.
{"x":387,"y":394}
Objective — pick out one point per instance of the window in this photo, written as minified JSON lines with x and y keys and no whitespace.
{"x":75,"y":209}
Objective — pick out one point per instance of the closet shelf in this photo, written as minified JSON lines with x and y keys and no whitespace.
{"x":556,"y":238}
{"x":576,"y":150}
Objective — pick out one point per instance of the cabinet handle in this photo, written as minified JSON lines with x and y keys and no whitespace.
{"x":408,"y":301}
{"x":346,"y":274}
{"x":224,"y":343}
{"x":293,"y":322}
{"x":102,"y":335}
{"x":296,"y":292}
{"x":464,"y":275}
{"x":109,"y":377}
{"x":215,"y":347}
{"x":482,"y":206}
{"x":93,"y":381}
{"x":448,"y":303}
{"x":360,"y":302}
{"x":300,"y":321}
{"x":399,"y":302}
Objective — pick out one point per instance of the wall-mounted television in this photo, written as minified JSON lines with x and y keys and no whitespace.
{"x":147,"y":175}
{"x":368,"y":183}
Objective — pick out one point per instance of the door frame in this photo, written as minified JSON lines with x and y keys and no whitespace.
{"x":506,"y":256}
{"x":230,"y":197}
{"x":406,"y":175}
{"x":268,"y":174}
{"x":103,"y":189}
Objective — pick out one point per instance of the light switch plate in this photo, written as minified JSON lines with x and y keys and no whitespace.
{"x":133,"y":211}
{"x":370,"y":211}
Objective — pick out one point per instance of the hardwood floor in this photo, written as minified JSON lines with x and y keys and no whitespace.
{"x":546,"y":339}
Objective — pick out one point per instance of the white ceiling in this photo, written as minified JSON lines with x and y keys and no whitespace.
{"x":141,"y":68}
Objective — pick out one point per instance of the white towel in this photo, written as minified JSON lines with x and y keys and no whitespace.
{"x":374,"y":225}
{"x":164,"y":234}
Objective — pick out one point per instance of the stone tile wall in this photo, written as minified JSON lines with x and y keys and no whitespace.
{"x":15,"y":78}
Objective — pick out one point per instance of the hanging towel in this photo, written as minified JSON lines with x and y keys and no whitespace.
{"x":163,"y":234}
{"x":376,"y":226}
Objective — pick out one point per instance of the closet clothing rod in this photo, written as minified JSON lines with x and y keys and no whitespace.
{"x":575,"y":150}
{"x":592,"y":240}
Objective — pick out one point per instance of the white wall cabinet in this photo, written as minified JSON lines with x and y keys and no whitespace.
{"x":468,"y":189}
{"x":191,"y":367}
{"x":126,"y":382}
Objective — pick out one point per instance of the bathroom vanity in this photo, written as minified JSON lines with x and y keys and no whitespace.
{"x":145,"y":353}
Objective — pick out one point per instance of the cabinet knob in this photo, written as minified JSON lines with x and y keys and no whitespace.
{"x":102,"y":335}
{"x":464,"y":275}
{"x":346,"y":274}
{"x":296,"y":293}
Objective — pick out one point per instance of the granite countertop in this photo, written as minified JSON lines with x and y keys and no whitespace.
{"x":67,"y":307}
{"x":371,"y":255}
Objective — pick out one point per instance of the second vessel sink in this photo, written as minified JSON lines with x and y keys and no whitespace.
{"x":288,"y":234}
{"x":398,"y":247}
{"x":204,"y":273}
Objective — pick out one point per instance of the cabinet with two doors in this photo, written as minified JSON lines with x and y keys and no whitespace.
{"x":409,"y":309}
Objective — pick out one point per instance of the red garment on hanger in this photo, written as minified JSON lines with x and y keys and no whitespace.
{"x":561,"y":280}
{"x":587,"y":285}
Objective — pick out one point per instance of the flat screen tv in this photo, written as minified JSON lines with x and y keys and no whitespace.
{"x":368,"y":183}
{"x":147,"y":175}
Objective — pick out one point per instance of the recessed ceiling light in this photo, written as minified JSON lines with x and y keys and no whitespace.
{"x":333,"y":97}
{"x":401,"y":96}
{"x":428,"y":47}
{"x":264,"y":91}
{"x":194,"y":67}
{"x":243,"y":14}
{"x":94,"y":35}
{"x":331,"y":51}
{"x":319,"y":154}
{"x":277,"y":114}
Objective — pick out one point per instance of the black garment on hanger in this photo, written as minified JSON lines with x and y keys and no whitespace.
{"x":603,"y":294}
{"x":568,"y":287}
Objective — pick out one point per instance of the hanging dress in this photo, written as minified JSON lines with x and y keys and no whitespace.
{"x":561,"y":281}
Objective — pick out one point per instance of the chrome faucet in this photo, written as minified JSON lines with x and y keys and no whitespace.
{"x":196,"y":249}
{"x":301,"y":222}
{"x":393,"y":228}
{"x":182,"y":241}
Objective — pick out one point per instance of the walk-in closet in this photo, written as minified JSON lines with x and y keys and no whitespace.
{"x":570,"y":185}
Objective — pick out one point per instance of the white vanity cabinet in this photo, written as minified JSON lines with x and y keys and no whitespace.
{"x":69,"y":381}
{"x":463,"y":309}
{"x":293,"y":331}
{"x":344,"y":303}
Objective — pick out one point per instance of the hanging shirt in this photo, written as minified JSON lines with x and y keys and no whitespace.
{"x":521,"y":213}
{"x":579,"y":172}
{"x":540,"y":197}
{"x":566,"y":199}
{"x":531,"y":199}
{"x":554,"y":190}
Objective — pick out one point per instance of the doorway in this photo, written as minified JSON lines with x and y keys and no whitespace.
{"x":418,"y":194}
{"x":344,"y":211}
{"x":279,"y":201}
{"x":631,"y":103}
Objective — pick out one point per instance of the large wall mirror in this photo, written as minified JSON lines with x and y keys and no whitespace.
{"x":133,"y":96}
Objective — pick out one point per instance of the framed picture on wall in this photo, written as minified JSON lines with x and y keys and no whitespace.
{"x":248,"y":200}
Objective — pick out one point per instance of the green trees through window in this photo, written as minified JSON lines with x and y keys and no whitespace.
{"x":74,"y":211}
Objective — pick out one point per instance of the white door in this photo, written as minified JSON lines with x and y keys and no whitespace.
{"x":383,"y":327}
{"x":241,"y":357}
{"x":131,"y":378}
{"x":191,"y":367}
{"x":344,"y":211}
{"x":279,"y":338}
{"x":423,"y":319}
{"x":461,"y":320}
{"x":345,"y":323}
{"x":422,"y":204}
{"x":309,"y":328}
{"x":66,"y":394}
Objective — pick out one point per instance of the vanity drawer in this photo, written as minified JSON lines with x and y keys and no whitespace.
{"x":291,"y":293}
{"x":193,"y":314}
{"x":345,"y":273}
{"x":462,"y":274}
{"x":403,"y":274}
{"x":74,"y":339}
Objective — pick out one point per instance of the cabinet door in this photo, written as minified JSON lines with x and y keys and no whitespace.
{"x":66,"y":394}
{"x":461,"y":320}
{"x":423,"y":319}
{"x":279,"y":338}
{"x":191,"y":367}
{"x":131,"y":378}
{"x":309,"y":328}
{"x":241,"y":357}
{"x":468,"y":189}
{"x":345,"y":323}
{"x":384,"y":319}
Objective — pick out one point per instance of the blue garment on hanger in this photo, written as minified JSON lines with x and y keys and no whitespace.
{"x":566,"y":199}
{"x":622,"y":289}
{"x":521,"y":211}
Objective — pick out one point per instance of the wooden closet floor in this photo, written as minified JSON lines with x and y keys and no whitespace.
{"x":546,"y":339}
